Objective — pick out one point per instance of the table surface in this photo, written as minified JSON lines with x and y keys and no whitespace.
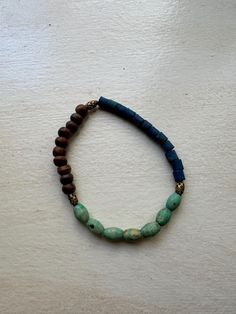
{"x":174,"y":62}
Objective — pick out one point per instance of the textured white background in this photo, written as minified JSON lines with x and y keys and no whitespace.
{"x":174,"y":63}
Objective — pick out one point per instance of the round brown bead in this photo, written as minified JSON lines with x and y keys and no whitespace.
{"x":58,"y":151}
{"x":67,"y":178}
{"x":72,"y":126}
{"x":82,"y":110}
{"x":75,"y":117}
{"x":60,"y":161}
{"x":61,"y":141}
{"x":68,"y":188}
{"x":64,"y":170}
{"x":64,"y":132}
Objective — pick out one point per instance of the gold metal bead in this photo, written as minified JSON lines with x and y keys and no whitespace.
{"x":179,"y":188}
{"x":92,"y":104}
{"x":73,"y":199}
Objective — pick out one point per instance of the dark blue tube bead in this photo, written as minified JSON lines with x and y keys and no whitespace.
{"x":167,"y":146}
{"x":161,"y":138}
{"x":137,"y":120}
{"x":171,"y":155}
{"x":177,"y":164}
{"x":107,"y":104}
{"x":124,"y":112}
{"x":152,"y":132}
{"x":145,"y":126}
{"x":179,"y":175}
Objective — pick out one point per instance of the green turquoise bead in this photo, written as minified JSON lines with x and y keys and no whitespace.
{"x":173,"y":201}
{"x":150,"y":229}
{"x":81,"y":213}
{"x":132,"y":234}
{"x":163,"y":216}
{"x":95,"y":226}
{"x":113,"y":233}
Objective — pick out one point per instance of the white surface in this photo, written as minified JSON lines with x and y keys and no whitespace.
{"x":174,"y":63}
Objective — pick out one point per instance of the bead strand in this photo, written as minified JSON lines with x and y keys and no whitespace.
{"x":131,"y":234}
{"x":149,"y":130}
{"x":59,"y":151}
{"x":66,"y":178}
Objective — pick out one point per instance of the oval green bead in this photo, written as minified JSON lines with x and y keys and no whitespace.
{"x":163,"y":216}
{"x":81,"y":213}
{"x":132,"y":234}
{"x":150,"y":229}
{"x":95,"y":226}
{"x":113,"y":233}
{"x":173,"y":201}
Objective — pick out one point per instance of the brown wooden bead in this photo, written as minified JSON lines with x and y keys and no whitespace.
{"x":82,"y":110}
{"x":64,"y":170}
{"x":64,"y":132}
{"x":75,"y":117}
{"x":58,"y":151}
{"x":60,"y":161}
{"x":67,"y":178}
{"x":72,"y":126}
{"x":61,"y":141}
{"x":68,"y":188}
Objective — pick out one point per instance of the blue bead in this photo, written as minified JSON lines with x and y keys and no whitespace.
{"x":167,"y":146}
{"x":124,"y":112}
{"x":145,"y":126}
{"x":130,"y":113}
{"x":177,"y":164}
{"x":107,"y":104}
{"x":120,"y":109}
{"x":137,"y":120}
{"x":179,"y":175}
{"x":161,"y":138}
{"x":115,"y":107}
{"x":171,"y":155}
{"x":152,"y":132}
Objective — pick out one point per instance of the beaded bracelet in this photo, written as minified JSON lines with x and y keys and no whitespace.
{"x":64,"y":170}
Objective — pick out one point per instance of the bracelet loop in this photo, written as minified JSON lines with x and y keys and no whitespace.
{"x":64,"y":170}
